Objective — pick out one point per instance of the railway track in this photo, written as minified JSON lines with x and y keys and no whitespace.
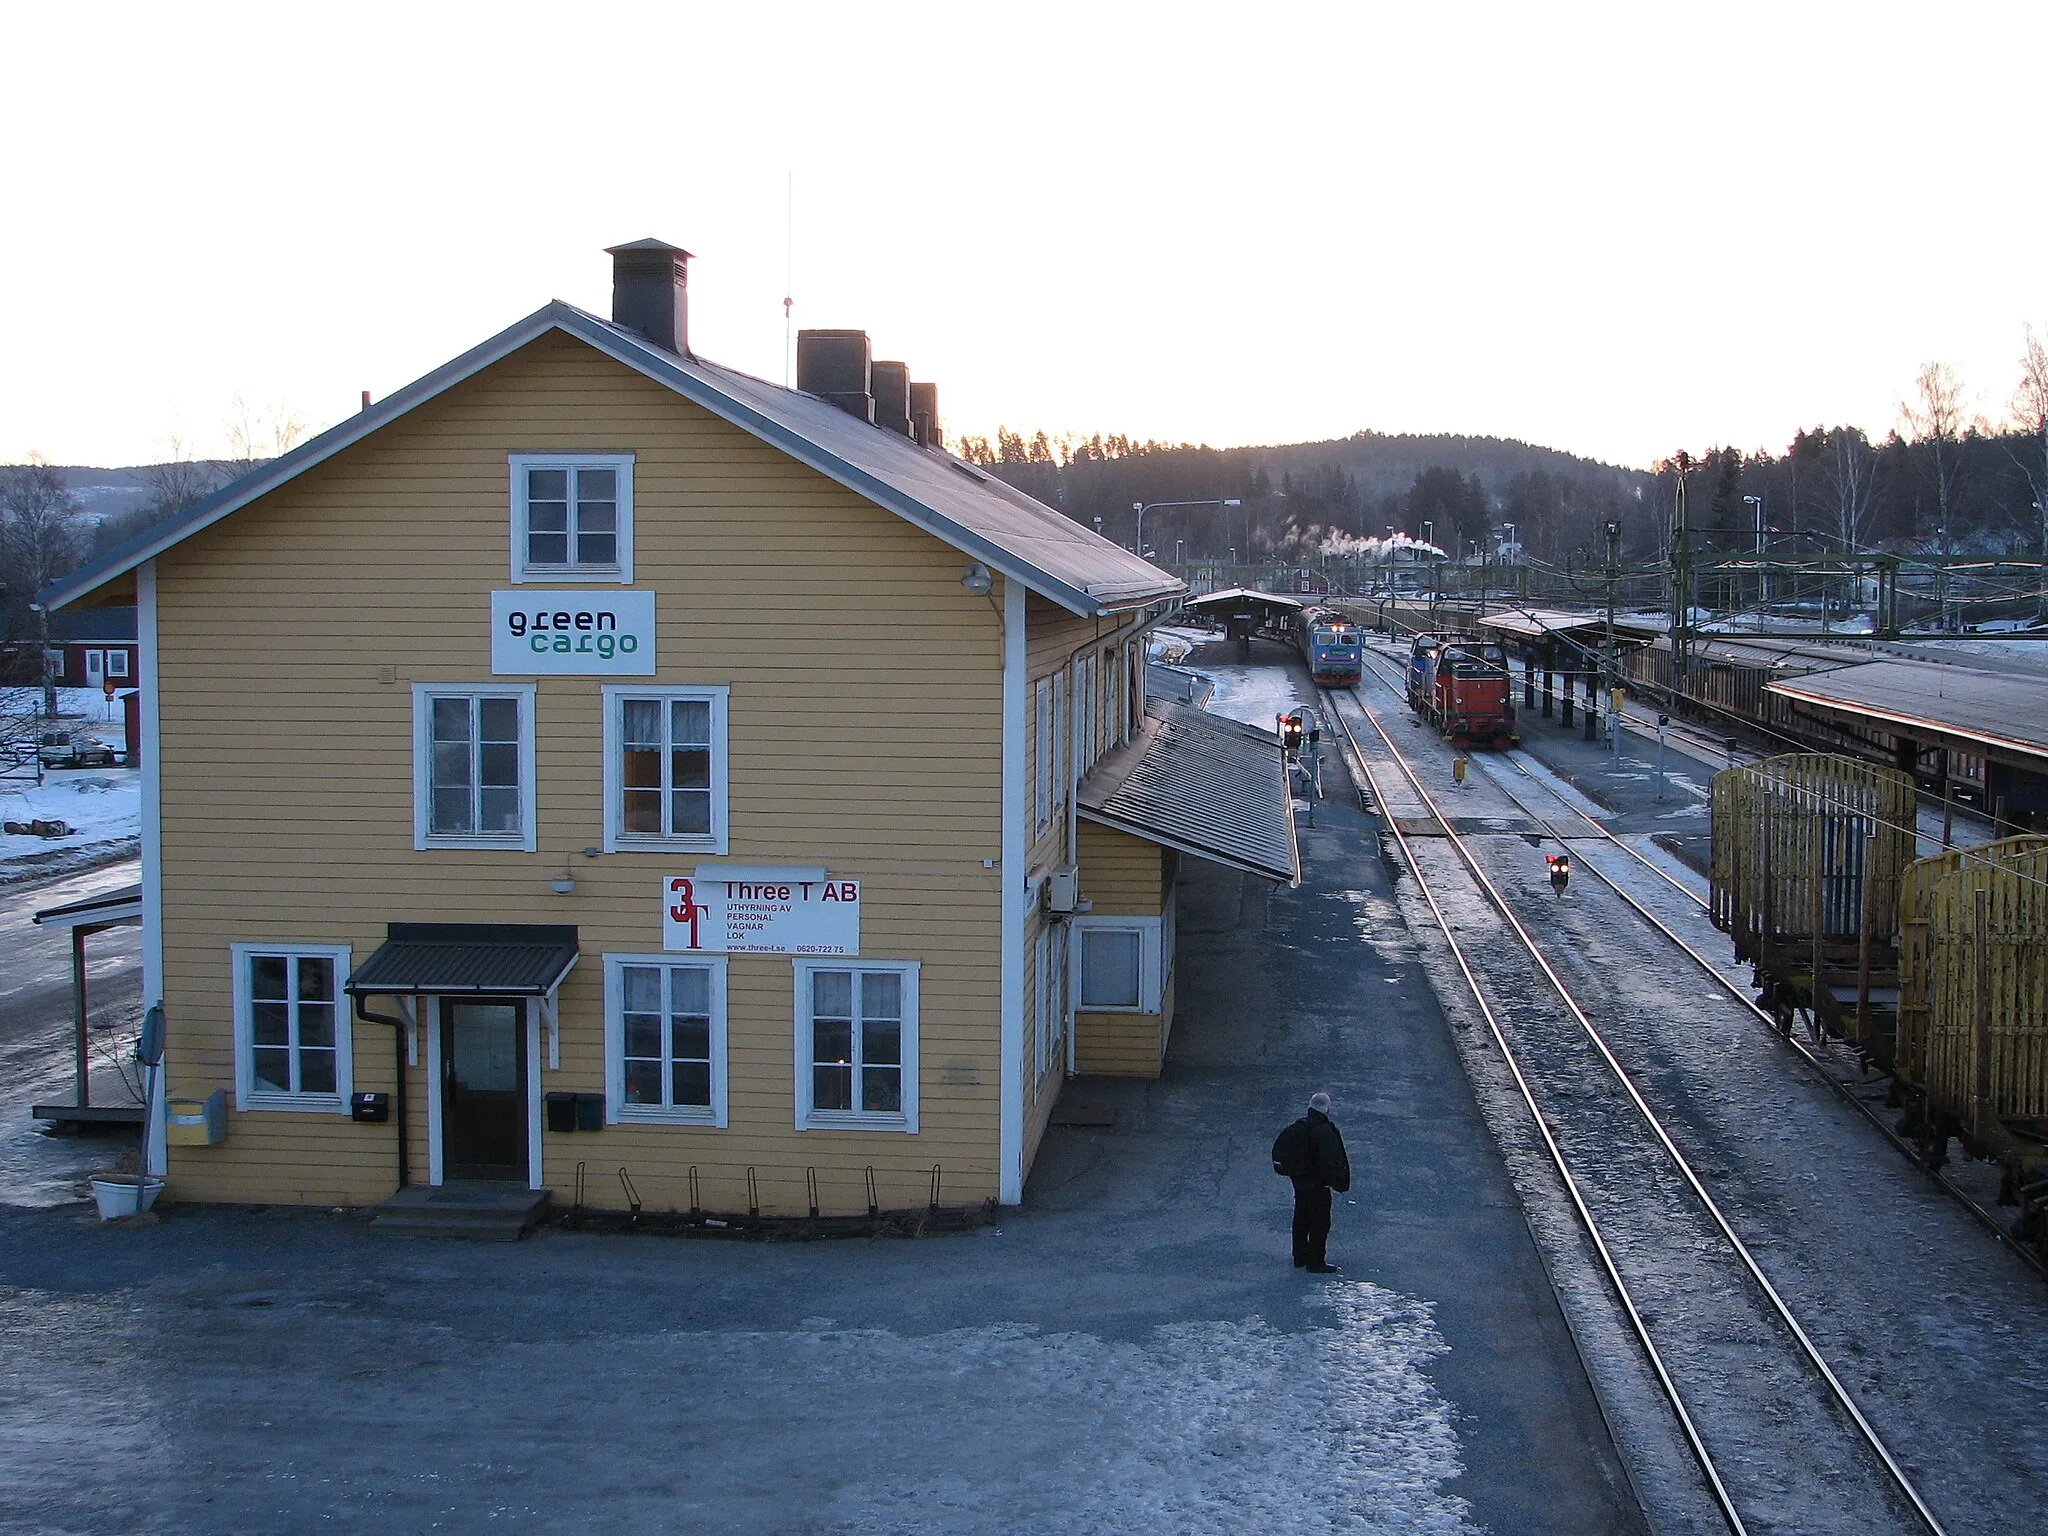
{"x":1767,"y":1420}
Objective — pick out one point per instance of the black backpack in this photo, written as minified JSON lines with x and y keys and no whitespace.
{"x":1294,"y":1152}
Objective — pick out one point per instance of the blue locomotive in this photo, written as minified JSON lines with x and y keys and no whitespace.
{"x":1331,"y":644}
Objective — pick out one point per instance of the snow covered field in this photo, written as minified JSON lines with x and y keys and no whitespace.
{"x":103,"y":806}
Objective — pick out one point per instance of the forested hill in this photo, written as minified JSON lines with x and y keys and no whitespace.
{"x":1391,"y":461}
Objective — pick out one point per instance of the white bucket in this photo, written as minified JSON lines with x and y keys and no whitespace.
{"x":123,"y":1194}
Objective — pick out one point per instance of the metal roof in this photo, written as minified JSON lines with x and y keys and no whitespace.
{"x":2000,"y":710}
{"x":524,"y":959}
{"x":1020,"y":538}
{"x":1230,"y":595}
{"x":1543,"y":623}
{"x":122,"y":905}
{"x":1202,"y":784}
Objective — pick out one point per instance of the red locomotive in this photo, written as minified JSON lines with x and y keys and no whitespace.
{"x":1462,"y":688}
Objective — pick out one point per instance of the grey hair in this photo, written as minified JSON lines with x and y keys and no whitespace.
{"x":1320,"y":1102}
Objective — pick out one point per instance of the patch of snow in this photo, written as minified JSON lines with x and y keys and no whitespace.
{"x":101,"y":805}
{"x":1564,"y":791}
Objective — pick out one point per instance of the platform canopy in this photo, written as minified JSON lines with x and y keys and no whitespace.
{"x":1239,"y":600}
{"x":2002,"y":716}
{"x":1203,"y":785}
{"x":508,"y":959}
{"x":1559,"y":631}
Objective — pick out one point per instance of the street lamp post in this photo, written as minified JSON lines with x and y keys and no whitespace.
{"x":1142,"y":507}
{"x":1763,"y":576}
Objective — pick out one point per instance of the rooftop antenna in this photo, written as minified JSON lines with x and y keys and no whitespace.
{"x":788,"y":270}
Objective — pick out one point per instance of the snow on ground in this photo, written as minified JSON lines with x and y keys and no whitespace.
{"x":1537,"y":770}
{"x":1196,"y":1427}
{"x":102,"y":805}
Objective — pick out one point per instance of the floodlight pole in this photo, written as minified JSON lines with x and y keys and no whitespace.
{"x":1142,"y":507}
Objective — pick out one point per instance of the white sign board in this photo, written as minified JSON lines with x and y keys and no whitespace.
{"x":557,"y":634}
{"x":768,"y":916}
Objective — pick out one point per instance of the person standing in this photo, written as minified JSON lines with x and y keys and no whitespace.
{"x":1310,"y":1152}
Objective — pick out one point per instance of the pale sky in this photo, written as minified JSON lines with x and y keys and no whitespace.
{"x":1614,"y":229}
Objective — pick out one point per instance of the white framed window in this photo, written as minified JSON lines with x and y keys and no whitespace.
{"x":1042,"y":696}
{"x":473,"y":765}
{"x":664,"y":1040}
{"x":292,"y":1033}
{"x":664,"y":769}
{"x":117,"y":663}
{"x":1062,"y":743}
{"x":856,"y":1045}
{"x":1116,"y":964}
{"x":572,"y":517}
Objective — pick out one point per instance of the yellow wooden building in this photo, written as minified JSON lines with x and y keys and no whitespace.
{"x":595,"y":756}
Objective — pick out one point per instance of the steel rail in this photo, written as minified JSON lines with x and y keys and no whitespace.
{"x":1987,"y":1219}
{"x":1656,"y":1126}
{"x":1722,"y":1498}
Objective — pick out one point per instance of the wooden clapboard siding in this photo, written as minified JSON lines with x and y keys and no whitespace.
{"x":865,"y":733}
{"x":1121,"y":875}
{"x":1118,"y":1044}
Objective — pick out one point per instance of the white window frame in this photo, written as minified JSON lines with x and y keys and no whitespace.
{"x":1042,"y":694}
{"x":617,"y":1110}
{"x":247,"y":1095}
{"x":1150,"y":981}
{"x":525,"y":840}
{"x":1062,"y":745}
{"x":117,"y":653}
{"x":523,"y":572}
{"x":616,"y":838}
{"x":1057,"y":968}
{"x":809,"y":1119}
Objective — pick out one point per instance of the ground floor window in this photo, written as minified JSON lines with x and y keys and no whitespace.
{"x":1051,"y":1019}
{"x":291,"y":1035}
{"x":856,"y":1045}
{"x":665,"y":1040}
{"x":1117,"y":964}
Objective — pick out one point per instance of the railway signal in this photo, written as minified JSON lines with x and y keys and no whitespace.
{"x":1560,"y":870}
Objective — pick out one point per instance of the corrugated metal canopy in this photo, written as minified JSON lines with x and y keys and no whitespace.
{"x":1230,"y":597}
{"x":1544,"y":623}
{"x":2001,"y":711}
{"x":1202,"y":784}
{"x":521,"y":959}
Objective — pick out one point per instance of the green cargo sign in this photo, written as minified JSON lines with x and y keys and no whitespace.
{"x":560,"y":634}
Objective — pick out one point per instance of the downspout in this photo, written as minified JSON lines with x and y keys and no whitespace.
{"x":398,"y":1031}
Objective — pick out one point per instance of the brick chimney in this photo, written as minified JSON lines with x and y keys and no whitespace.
{"x":651,"y":292}
{"x":924,"y":415}
{"x":892,"y":397}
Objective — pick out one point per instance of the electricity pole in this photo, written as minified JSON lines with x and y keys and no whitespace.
{"x":1610,"y":673}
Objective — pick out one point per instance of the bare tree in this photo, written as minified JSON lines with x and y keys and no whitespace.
{"x":37,"y":542}
{"x":2030,"y":418}
{"x":1849,"y":469}
{"x":1937,"y":417}
{"x":178,"y":482}
{"x":256,"y":437}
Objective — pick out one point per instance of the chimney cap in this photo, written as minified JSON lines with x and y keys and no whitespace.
{"x":649,"y":244}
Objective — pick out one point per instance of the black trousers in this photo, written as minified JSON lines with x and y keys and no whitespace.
{"x":1311,"y":1222}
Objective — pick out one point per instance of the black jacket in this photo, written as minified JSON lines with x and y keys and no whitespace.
{"x":1333,"y":1165}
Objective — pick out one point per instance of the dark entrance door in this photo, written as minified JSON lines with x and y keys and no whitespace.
{"x":483,"y":1091}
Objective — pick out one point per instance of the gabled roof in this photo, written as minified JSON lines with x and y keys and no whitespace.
{"x":1019,"y":538}
{"x":1203,"y":784}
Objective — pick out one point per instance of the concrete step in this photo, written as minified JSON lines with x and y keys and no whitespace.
{"x":484,"y":1212}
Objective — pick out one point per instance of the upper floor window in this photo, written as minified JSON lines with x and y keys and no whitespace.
{"x":665,"y":772}
{"x":572,"y":517}
{"x":291,"y":1036}
{"x":473,"y":766}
